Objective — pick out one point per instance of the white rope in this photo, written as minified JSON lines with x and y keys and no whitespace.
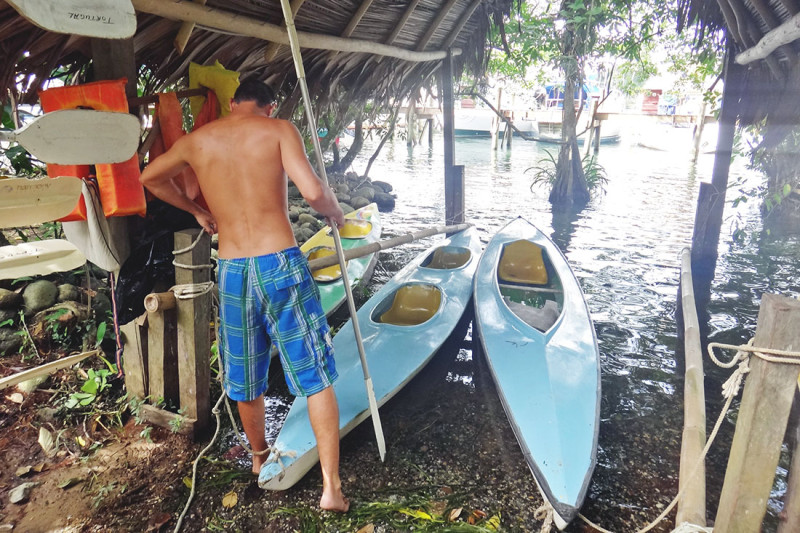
{"x":545,"y":513}
{"x":730,"y":389}
{"x":189,"y":249}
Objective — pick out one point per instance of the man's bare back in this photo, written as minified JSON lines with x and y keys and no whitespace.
{"x":240,"y":162}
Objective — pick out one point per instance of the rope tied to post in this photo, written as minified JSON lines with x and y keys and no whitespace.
{"x":730,"y":389}
{"x":545,"y":513}
{"x":189,"y":249}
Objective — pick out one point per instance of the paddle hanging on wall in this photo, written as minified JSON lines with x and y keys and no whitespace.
{"x":106,"y":19}
{"x":79,"y":137}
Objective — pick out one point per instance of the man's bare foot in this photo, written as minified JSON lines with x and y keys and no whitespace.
{"x":334,"y":501}
{"x":258,"y":462}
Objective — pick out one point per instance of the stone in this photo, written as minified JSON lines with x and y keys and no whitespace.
{"x":62,"y":315}
{"x":101,"y":305}
{"x":294,"y":192}
{"x":359,"y":201}
{"x":309,"y":226}
{"x":306,"y":218}
{"x":294,"y":213}
{"x":341,"y":188}
{"x":385,"y":187}
{"x":10,"y":299}
{"x":346,"y":207}
{"x":351,"y":176}
{"x":68,"y":293}
{"x":366,"y":192}
{"x":20,"y":493}
{"x":342,"y":197}
{"x":39,"y":295}
{"x":10,"y":341}
{"x":7,"y":314}
{"x":385,"y":201}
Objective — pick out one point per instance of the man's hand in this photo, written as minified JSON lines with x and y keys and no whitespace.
{"x":336,"y":218}
{"x":207,"y":221}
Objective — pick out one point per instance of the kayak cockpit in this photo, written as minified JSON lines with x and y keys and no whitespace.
{"x":410,"y":305}
{"x":354,"y":228}
{"x":327,"y":274}
{"x":447,"y":258}
{"x":529,"y":284}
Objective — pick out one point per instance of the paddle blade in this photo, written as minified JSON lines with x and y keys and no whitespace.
{"x":376,"y":419}
{"x":81,"y":137}
{"x":39,"y":258}
{"x":106,"y":19}
{"x":27,"y":202}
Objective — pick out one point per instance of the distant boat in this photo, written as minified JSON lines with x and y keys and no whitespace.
{"x":669,"y":138}
{"x":478,"y":122}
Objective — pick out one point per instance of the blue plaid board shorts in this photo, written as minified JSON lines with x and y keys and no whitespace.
{"x":273,"y":298}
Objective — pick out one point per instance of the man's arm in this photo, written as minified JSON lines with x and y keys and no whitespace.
{"x":295,"y":163}
{"x":158,"y":178}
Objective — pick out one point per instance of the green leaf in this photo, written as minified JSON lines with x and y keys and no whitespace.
{"x":414,"y":513}
{"x":101,"y":332}
{"x":787,"y":190}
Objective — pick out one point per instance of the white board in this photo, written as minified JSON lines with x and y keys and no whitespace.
{"x":27,"y":202}
{"x":106,"y":19}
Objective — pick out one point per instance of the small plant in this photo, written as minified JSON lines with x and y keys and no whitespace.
{"x":96,"y":383}
{"x":176,"y":423}
{"x":545,"y":173}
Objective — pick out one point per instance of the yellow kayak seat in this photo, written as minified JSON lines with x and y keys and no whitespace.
{"x":355,"y":229}
{"x":327,"y":274}
{"x":446,"y":258}
{"x":412,"y":305}
{"x":522,"y":262}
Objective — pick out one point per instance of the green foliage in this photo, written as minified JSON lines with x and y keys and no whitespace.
{"x":546,"y":171}
{"x":21,"y":162}
{"x":96,"y":383}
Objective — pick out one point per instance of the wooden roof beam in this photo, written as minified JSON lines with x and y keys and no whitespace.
{"x":185,"y":32}
{"x":362,"y":9}
{"x":239,"y":25}
{"x":772,"y":22}
{"x":791,"y":6}
{"x":402,"y":22}
{"x":465,"y":16}
{"x":273,"y":48}
{"x":784,"y":34}
{"x":435,"y":24}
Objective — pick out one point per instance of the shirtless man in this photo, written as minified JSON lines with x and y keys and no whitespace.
{"x":241,"y":162}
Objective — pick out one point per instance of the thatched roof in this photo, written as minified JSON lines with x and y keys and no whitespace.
{"x":753,"y":30}
{"x":28,"y":50}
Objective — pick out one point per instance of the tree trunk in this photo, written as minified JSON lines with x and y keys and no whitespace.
{"x":355,"y":148}
{"x":389,"y":134}
{"x":570,"y":187}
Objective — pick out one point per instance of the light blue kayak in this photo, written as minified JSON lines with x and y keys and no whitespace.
{"x":402,"y":326}
{"x":540,"y":346}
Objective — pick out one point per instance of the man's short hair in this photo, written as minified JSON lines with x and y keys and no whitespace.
{"x":251,"y":90}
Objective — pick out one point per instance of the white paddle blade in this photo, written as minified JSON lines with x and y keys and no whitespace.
{"x":376,"y":420}
{"x":39,"y":258}
{"x":81,"y":137}
{"x":27,"y":202}
{"x":106,"y":19}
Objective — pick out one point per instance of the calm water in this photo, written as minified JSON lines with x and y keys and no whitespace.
{"x":624,"y":248}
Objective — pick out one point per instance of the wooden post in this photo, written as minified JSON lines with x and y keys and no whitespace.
{"x":597,"y":137}
{"x":162,"y":352}
{"x":692,"y":507}
{"x":448,"y":111}
{"x":411,"y":123}
{"x":454,"y":195}
{"x":194,"y":329}
{"x":497,"y":120}
{"x":113,"y":59}
{"x":430,"y":132}
{"x":698,"y":132}
{"x":762,"y":419}
{"x":790,"y":522}
{"x":134,"y":360}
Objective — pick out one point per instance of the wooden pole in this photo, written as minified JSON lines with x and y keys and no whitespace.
{"x":698,"y":132}
{"x":194,"y":330}
{"x":134,"y":360}
{"x":762,"y":419}
{"x":497,"y":120}
{"x":371,"y":248}
{"x":692,"y":480}
{"x":790,"y":522}
{"x":162,"y":356}
{"x":241,"y":25}
{"x":113,"y":59}
{"x":430,"y":132}
{"x":454,"y":195}
{"x":448,"y":112}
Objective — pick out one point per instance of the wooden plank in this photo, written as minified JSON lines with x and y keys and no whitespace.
{"x":134,"y":357}
{"x":273,"y":48}
{"x":692,"y":477}
{"x":79,"y":137}
{"x":448,"y":113}
{"x":402,"y":22}
{"x":185,"y":32}
{"x":359,"y":14}
{"x":462,"y":21}
{"x":184,"y":425}
{"x":194,"y":333}
{"x":108,"y":19}
{"x":790,"y":517}
{"x":761,"y":423}
{"x":113,"y":59}
{"x":162,"y":354}
{"x":435,"y":24}
{"x":454,"y":194}
{"x":242,"y":25}
{"x":785,"y":34}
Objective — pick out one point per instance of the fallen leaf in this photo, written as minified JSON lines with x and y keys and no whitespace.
{"x":438,"y":507}
{"x":47,"y":442}
{"x":471,"y":520}
{"x":20,"y":493}
{"x":369,"y":528}
{"x":229,"y":500}
{"x":493,"y":523}
{"x":416,"y":514}
{"x":479,"y":514}
{"x":23,"y":470}
{"x":455,"y":513}
{"x":16,"y":397}
{"x":157,"y":522}
{"x":188,"y":482}
{"x":69,"y":482}
{"x":39,"y":467}
{"x":81,"y":441}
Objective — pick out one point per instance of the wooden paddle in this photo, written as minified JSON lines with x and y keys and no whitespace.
{"x":312,"y":124}
{"x":79,"y":137}
{"x":106,"y":19}
{"x":361,"y":251}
